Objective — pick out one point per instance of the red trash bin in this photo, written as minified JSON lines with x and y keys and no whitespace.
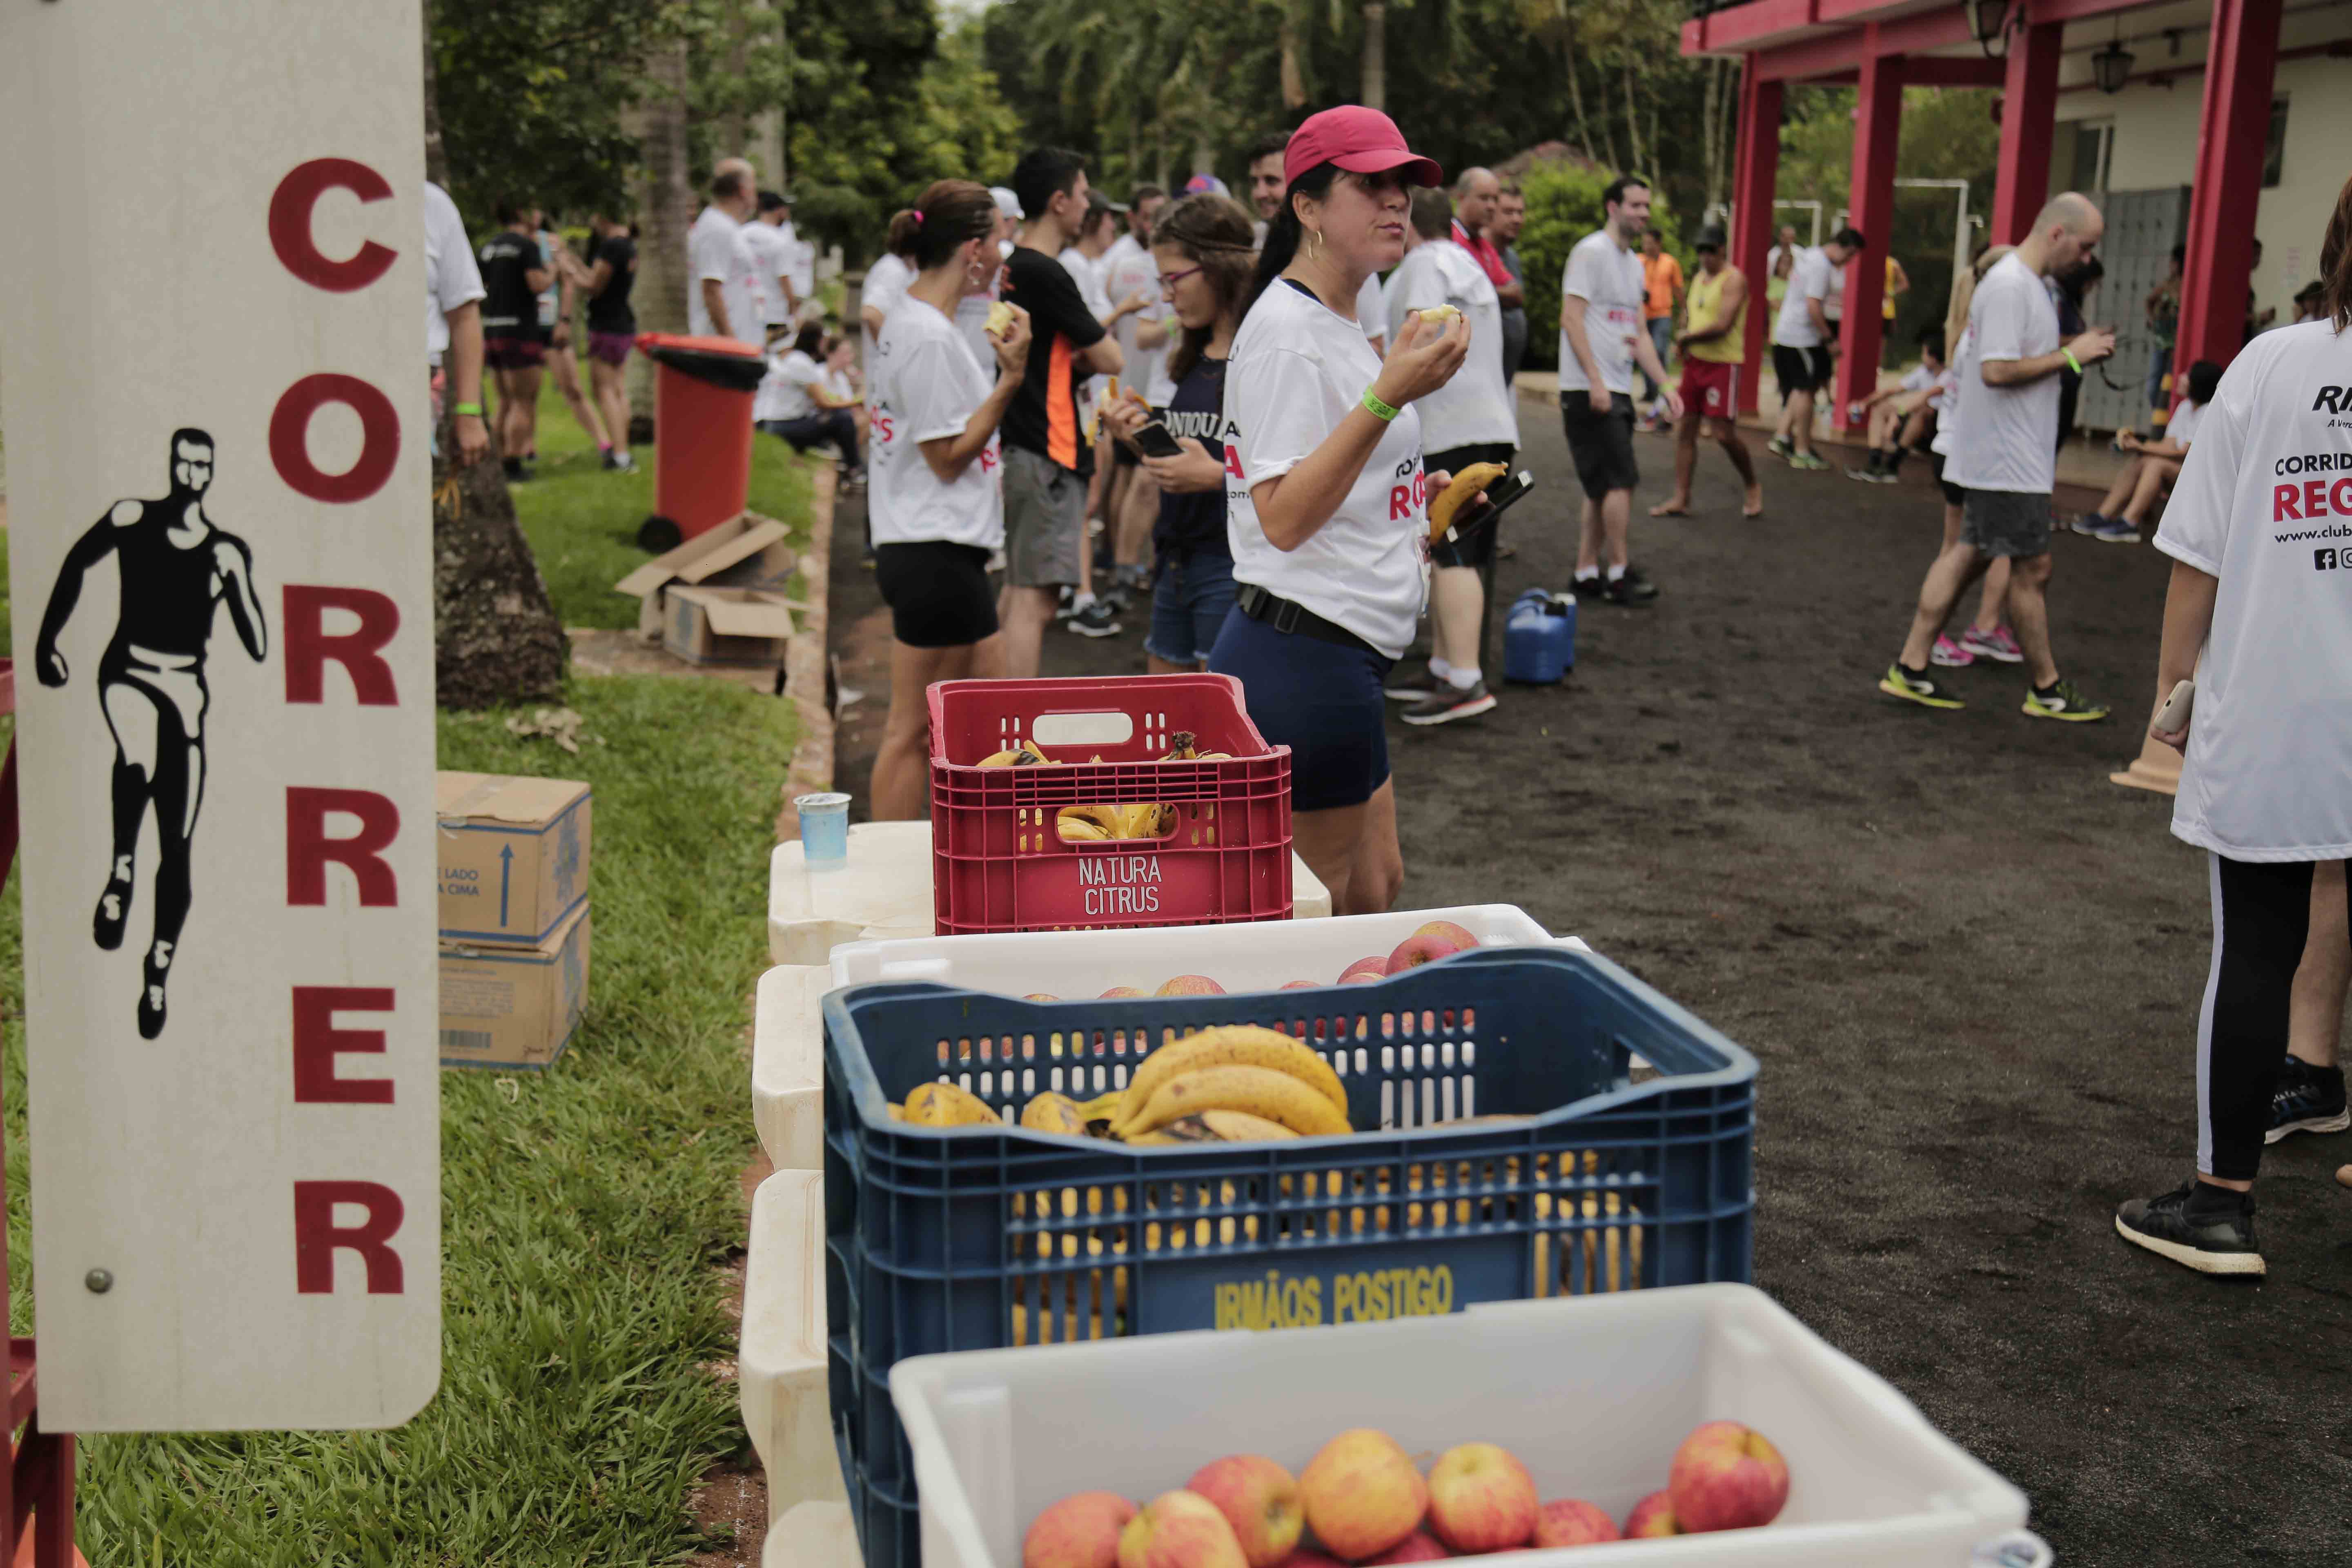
{"x":702,"y":434}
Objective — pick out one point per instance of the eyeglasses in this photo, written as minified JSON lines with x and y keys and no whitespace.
{"x":1167,"y":280}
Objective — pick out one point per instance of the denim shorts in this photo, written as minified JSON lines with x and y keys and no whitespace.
{"x":1188,"y":606}
{"x":1321,"y":699}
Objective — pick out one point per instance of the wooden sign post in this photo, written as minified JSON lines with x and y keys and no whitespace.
{"x":212,"y":293}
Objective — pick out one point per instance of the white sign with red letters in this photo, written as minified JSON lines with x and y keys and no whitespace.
{"x":220,"y":544}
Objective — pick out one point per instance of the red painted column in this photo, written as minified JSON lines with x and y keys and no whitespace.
{"x":1752,"y":215}
{"x":2241,"y":62}
{"x":2029,"y":112}
{"x":1870,"y":208}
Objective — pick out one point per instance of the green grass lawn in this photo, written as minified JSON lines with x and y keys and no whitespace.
{"x":584,"y":1210}
{"x":583,"y":522}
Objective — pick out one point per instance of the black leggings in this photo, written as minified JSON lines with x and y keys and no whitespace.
{"x":2261,"y":915}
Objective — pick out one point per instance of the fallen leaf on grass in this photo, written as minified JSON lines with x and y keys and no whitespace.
{"x":561,"y":725}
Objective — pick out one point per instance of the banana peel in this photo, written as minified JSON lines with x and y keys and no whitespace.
{"x":946,"y":1105}
{"x":1052,"y":1112}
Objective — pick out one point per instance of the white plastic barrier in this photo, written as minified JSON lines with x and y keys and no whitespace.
{"x":885,"y":891}
{"x":1593,"y":1393}
{"x":779,"y":1361}
{"x":813,"y":1535}
{"x":788,"y":1034}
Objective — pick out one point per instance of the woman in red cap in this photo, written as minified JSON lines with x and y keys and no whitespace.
{"x":1326,"y":522}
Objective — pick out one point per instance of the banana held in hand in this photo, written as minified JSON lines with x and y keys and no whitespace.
{"x":1440,"y":315}
{"x":1051,"y":1112}
{"x":1260,"y":1091}
{"x":1471,"y":481}
{"x":1000,"y":319}
{"x":946,"y":1105}
{"x":1238,"y":1045}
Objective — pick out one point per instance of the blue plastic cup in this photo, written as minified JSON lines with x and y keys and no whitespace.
{"x":825,"y":829}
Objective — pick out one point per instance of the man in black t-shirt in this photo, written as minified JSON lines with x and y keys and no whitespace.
{"x":1046,"y":456}
{"x":513,"y":274}
{"x":612,"y":329}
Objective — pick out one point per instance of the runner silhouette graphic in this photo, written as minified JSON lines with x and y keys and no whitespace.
{"x":175,"y":567}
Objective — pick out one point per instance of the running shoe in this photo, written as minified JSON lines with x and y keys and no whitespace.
{"x":2088,"y":523}
{"x":1900,"y":682}
{"x":2115,"y":531}
{"x":2307,"y":1100}
{"x":1591,"y":587}
{"x":1448,"y":704}
{"x":1998,"y":645}
{"x":619,"y":463}
{"x":2065,"y":702}
{"x":1096,"y":620}
{"x":1868,"y":476}
{"x":2200,"y":1226}
{"x":1412,"y":686}
{"x":1807,"y":461}
{"x":1951,"y":655}
{"x":1780,"y":448}
{"x":1068,"y":605}
{"x":1631,"y":589}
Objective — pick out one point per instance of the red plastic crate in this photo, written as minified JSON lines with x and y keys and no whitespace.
{"x":997,"y":863}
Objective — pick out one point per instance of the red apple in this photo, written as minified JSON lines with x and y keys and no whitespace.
{"x":1259,"y":1498}
{"x":1118,"y":990}
{"x":1041,"y":996}
{"x":1179,"y":1529}
{"x":1727,"y":1476}
{"x":1481,"y":1499}
{"x":1361,"y":976}
{"x":1361,"y":1494}
{"x":1573,"y":1521}
{"x":1418,"y":1547}
{"x":1376,"y":963}
{"x":1298,"y":986}
{"x":1654,"y":1515}
{"x":1079,"y":1531}
{"x":1438,"y":939}
{"x":1191,"y":986}
{"x":1308,"y":1557}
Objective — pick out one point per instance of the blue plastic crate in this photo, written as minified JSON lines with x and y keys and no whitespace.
{"x":980,"y":1238}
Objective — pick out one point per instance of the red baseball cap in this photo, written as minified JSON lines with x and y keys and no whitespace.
{"x":1360,"y":141}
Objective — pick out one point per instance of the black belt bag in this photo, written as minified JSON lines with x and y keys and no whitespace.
{"x":1289,"y":616}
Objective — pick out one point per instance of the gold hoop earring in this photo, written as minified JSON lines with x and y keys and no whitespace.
{"x":1315,"y":249}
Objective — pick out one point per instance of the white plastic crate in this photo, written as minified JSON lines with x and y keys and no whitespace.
{"x":780,"y":1359}
{"x":1592,"y":1392}
{"x":885,"y":891}
{"x":788,"y":1035}
{"x":813,"y":1535}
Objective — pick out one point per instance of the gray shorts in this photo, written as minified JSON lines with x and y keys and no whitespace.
{"x":2006,"y":523}
{"x":1045,"y":520}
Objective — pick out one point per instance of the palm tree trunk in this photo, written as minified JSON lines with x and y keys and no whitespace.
{"x":1375,"y":90}
{"x":664,"y":208}
{"x":1584,"y":137}
{"x":1294,"y":80}
{"x":1632,"y":119}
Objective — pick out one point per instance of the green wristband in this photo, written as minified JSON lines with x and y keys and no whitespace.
{"x":2071,"y":360}
{"x":473,"y":408}
{"x":1380,"y":411}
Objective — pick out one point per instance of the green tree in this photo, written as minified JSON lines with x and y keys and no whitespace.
{"x":1564,"y":205}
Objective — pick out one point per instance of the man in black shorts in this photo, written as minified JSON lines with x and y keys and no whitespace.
{"x":1802,"y":340}
{"x":173,"y":569}
{"x":513,"y":274}
{"x":1600,"y":339}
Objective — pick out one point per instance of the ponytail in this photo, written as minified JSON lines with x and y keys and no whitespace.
{"x":947,"y":216}
{"x":903,"y":226}
{"x":1283,"y":234}
{"x":2335,"y":264}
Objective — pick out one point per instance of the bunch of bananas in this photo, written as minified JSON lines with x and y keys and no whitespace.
{"x":1025,"y":755}
{"x":1130,"y":819}
{"x":1229,"y":1083}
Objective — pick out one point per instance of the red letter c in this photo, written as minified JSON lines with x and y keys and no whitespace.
{"x":289,"y":225}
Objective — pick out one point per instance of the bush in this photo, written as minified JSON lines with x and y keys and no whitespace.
{"x":1563,"y":206}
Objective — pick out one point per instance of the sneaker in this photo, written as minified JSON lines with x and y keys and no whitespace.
{"x":2065,"y":702}
{"x":1412,"y":686}
{"x":2307,"y":1100}
{"x":1068,"y":604}
{"x":1592,"y":587}
{"x":1951,"y":655}
{"x":1450,"y":703}
{"x":2088,"y":523}
{"x":1780,"y":448}
{"x":1807,"y":461}
{"x":1998,"y":645}
{"x":1096,"y":620}
{"x":2193,"y":1227}
{"x":2115,"y":531}
{"x":1900,"y":682}
{"x":1868,"y":476}
{"x":1631,"y":589}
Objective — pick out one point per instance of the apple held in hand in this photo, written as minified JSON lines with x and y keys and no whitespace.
{"x":1079,"y":1531}
{"x":1727,"y":1476}
{"x":1361,"y":1494}
{"x":1438,"y":939}
{"x":1191,"y":986}
{"x":1481,"y":1499}
{"x":1652,"y":1516}
{"x":1179,"y":1529}
{"x":1259,"y":1498}
{"x":1573,"y":1521}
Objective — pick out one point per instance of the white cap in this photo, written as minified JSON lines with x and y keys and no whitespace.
{"x":1006,"y":202}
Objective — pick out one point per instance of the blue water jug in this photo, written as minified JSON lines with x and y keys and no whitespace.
{"x":1539,"y":637}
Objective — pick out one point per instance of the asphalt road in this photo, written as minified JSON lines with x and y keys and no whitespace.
{"x":1969,"y":966}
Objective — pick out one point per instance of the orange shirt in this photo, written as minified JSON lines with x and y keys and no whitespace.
{"x":1664,"y":275}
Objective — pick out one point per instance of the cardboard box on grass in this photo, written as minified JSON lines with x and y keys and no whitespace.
{"x":728,"y":626}
{"x":514,"y":1007}
{"x":510,"y":855}
{"x":744,"y":551}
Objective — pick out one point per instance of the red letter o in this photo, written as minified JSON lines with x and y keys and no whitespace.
{"x":289,"y":225}
{"x":290,"y":423}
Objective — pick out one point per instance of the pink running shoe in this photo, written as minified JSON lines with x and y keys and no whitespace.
{"x":1951,"y":655}
{"x":2000,"y":645}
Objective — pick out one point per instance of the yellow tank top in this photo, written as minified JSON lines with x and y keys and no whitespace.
{"x":1732,"y":347}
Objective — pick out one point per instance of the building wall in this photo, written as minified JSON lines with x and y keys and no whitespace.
{"x":2156,"y":144}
